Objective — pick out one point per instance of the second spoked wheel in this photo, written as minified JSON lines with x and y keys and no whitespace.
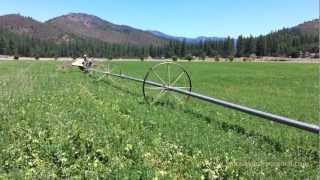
{"x":100,"y":71}
{"x":167,"y":74}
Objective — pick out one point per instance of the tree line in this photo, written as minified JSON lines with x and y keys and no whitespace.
{"x":286,"y":42}
{"x":19,"y":45}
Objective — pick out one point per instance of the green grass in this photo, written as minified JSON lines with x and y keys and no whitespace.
{"x":59,"y":123}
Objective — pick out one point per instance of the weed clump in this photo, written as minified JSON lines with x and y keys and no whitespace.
{"x":174,"y":58}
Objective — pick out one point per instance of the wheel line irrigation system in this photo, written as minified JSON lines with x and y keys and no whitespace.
{"x":163,"y":86}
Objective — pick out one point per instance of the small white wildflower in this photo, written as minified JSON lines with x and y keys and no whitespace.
{"x":63,"y":160}
{"x":206,"y":163}
{"x":215,"y":177}
{"x":162,"y":173}
{"x":147,"y":154}
{"x":179,"y":154}
{"x":202,"y":177}
{"x":128,"y":147}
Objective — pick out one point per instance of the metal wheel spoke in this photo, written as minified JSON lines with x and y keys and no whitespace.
{"x":177,"y":79}
{"x":171,"y":75}
{"x":158,"y":96}
{"x":163,"y":82}
{"x":101,"y":77}
{"x":112,"y":69}
{"x":108,"y":68}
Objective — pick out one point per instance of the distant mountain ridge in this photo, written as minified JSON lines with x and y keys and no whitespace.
{"x":188,"y":40}
{"x":28,"y":26}
{"x":89,"y":26}
{"x":309,"y":27}
{"x":75,"y":34}
{"x":67,"y":27}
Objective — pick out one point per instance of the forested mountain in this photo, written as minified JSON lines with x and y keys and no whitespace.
{"x":309,"y":27}
{"x":293,"y":42}
{"x":27,"y":26}
{"x":88,"y":26}
{"x":75,"y":34}
{"x":23,"y":45}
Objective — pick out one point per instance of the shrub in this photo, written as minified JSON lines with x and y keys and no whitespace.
{"x":231,"y":58}
{"x":37,"y":57}
{"x":294,"y":54}
{"x":110,"y":58}
{"x":174,"y":58}
{"x":141,"y":58}
{"x":189,"y":58}
{"x":16,"y":57}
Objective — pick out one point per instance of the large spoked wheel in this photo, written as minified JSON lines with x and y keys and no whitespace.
{"x":166,"y":74}
{"x":103,"y":70}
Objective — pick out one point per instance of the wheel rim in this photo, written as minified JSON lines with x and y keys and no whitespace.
{"x":100,"y":71}
{"x":167,"y":74}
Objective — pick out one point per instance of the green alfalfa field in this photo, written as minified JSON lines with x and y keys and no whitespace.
{"x":57,"y":122}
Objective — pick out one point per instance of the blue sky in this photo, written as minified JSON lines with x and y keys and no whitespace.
{"x":188,"y":18}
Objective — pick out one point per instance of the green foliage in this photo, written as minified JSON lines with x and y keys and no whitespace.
{"x":281,"y":43}
{"x":103,"y":130}
{"x":3,"y":45}
{"x":261,"y":46}
{"x":174,"y":58}
{"x":141,"y":58}
{"x":183,"y":48}
{"x":11,"y":43}
{"x":189,"y":57}
{"x":228,"y":48}
{"x":16,"y":57}
{"x":250,"y":46}
{"x":286,"y":42}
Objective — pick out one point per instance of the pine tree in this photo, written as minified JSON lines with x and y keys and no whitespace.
{"x":183,"y":48}
{"x":228,"y":49}
{"x":240,"y":47}
{"x":250,"y":46}
{"x":261,"y":46}
{"x":11,"y":47}
{"x":2,"y":45}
